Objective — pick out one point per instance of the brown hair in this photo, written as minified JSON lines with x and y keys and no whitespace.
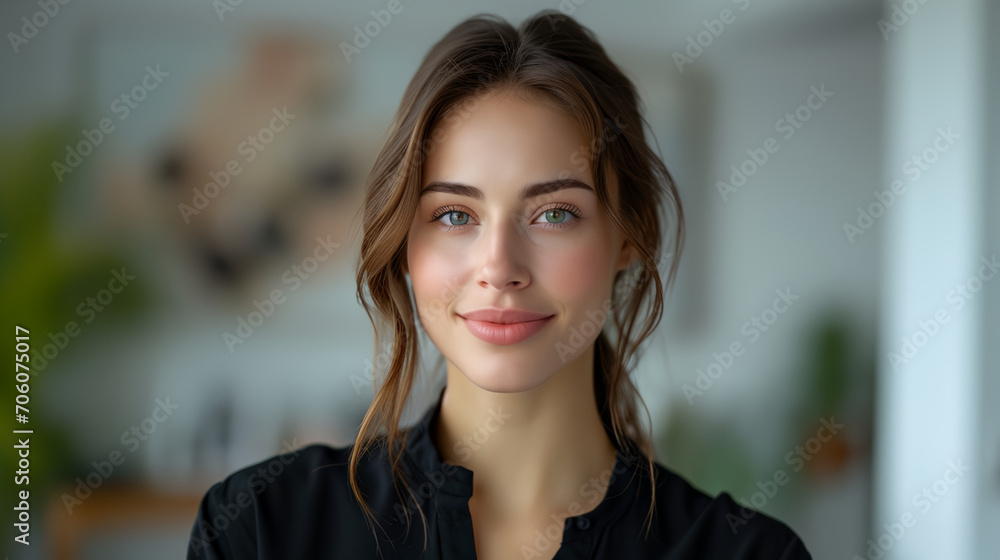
{"x":550,"y":58}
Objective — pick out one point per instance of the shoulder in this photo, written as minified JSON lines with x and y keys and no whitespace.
{"x":703,"y":526}
{"x":279,"y":495}
{"x":293,"y":470}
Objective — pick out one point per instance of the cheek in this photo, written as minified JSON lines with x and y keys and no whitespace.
{"x":579,"y":273}
{"x":434,"y":274}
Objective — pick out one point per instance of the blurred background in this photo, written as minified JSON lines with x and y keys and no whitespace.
{"x":178,"y":181}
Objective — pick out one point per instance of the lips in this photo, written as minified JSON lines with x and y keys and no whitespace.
{"x":504,"y":326}
{"x":505,"y":316}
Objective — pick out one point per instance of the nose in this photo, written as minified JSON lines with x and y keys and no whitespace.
{"x":502,"y":264}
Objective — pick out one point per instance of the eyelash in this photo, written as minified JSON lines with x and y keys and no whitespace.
{"x":573,"y":211}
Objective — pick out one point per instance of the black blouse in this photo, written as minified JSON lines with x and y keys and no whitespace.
{"x":299,"y":505}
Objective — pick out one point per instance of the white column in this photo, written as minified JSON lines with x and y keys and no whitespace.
{"x":929,"y":404}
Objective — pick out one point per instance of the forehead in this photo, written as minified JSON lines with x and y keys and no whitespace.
{"x":500,"y":137}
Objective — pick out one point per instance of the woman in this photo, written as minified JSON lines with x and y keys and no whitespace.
{"x":516,"y":208}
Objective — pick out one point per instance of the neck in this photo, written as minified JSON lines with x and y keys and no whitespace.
{"x":544,"y":448}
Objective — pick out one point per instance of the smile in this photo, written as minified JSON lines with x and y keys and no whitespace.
{"x":504,"y":333}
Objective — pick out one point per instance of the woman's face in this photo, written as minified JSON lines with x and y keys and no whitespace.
{"x":477,"y":244}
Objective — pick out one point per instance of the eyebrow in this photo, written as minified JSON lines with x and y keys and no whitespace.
{"x":528,"y":191}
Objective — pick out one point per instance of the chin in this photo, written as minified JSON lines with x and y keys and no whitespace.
{"x":505,"y":378}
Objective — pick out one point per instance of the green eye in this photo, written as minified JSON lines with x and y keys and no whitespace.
{"x":557,"y":215}
{"x":451,"y":215}
{"x":455,"y":218}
